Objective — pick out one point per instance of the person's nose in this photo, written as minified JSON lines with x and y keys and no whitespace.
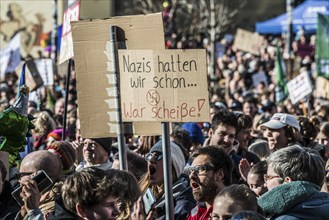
{"x":193,"y":175}
{"x":321,"y":141}
{"x":226,"y":139}
{"x":116,"y":210}
{"x":265,"y":184}
{"x":268,"y":133}
{"x":153,"y":159}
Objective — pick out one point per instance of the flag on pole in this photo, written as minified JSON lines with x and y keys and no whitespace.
{"x":14,"y":123}
{"x":322,"y":46}
{"x":10,"y":56}
{"x":281,"y":90}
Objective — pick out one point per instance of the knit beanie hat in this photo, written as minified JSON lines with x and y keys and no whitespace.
{"x":65,"y":151}
{"x":195,"y":132}
{"x":177,"y":156}
{"x":57,"y":134}
{"x":106,"y":143}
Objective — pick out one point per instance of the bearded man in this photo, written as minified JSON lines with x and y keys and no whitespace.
{"x":210,"y":172}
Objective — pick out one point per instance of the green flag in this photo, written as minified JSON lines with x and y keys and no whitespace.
{"x":322,"y":46}
{"x":281,"y":90}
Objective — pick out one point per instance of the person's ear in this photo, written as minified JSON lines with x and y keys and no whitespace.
{"x":219,"y":176}
{"x":81,"y":211}
{"x":210,"y":133}
{"x":287,"y":179}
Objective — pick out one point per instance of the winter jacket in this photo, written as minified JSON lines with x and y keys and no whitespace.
{"x":183,"y":200}
{"x":295,"y":200}
{"x":104,"y":166}
{"x":8,"y":206}
{"x":34,"y":214}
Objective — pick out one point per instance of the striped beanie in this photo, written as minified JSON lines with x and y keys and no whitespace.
{"x":66,"y":153}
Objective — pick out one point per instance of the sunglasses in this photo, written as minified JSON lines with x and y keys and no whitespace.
{"x":150,"y":156}
{"x":200,"y":169}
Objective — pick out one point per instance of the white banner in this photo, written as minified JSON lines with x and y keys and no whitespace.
{"x":9,"y":59}
{"x":299,"y":87}
{"x":45,"y":68}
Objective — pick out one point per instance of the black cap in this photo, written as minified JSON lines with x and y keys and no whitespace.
{"x":106,"y":143}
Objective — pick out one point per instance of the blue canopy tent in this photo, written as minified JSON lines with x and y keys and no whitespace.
{"x":304,"y":15}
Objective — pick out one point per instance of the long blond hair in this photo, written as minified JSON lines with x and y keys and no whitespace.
{"x":157,"y":190}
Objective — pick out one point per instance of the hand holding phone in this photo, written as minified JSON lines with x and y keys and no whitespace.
{"x":30,"y":194}
{"x":149,"y":201}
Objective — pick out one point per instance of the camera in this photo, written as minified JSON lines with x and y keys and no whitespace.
{"x":43,"y":182}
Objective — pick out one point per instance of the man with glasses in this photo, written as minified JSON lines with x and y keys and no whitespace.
{"x":34,"y":203}
{"x":294,"y":178}
{"x":210,"y":172}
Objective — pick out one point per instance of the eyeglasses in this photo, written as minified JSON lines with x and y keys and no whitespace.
{"x":201,"y":169}
{"x":269,"y":177}
{"x":150,"y":156}
{"x":21,"y":174}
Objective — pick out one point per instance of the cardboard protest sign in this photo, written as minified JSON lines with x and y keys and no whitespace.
{"x":71,"y":14}
{"x":4,"y":158}
{"x":248,"y":41}
{"x":299,"y":87}
{"x":90,"y":40}
{"x":46,"y":71}
{"x":164,"y":85}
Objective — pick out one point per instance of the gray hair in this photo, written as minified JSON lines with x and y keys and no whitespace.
{"x":298,"y":163}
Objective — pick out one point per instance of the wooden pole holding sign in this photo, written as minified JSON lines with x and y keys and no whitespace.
{"x":167,"y":171}
{"x":121,"y":139}
{"x":303,"y":108}
{"x":68,"y":76}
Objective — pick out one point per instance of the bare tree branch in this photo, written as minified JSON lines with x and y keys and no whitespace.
{"x":192,"y":17}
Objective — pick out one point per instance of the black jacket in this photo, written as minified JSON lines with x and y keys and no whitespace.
{"x":8,"y":205}
{"x":183,"y":200}
{"x":60,"y":211}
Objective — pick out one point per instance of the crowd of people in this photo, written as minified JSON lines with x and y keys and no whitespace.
{"x":256,"y":159}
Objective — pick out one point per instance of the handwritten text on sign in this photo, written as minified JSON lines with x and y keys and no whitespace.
{"x":164,"y":85}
